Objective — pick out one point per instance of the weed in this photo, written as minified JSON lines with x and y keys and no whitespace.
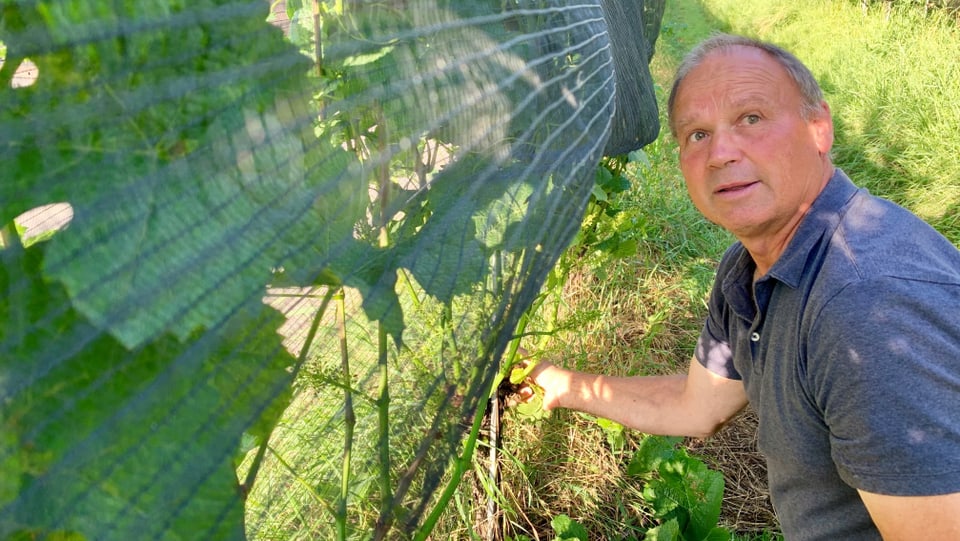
{"x":888,"y":81}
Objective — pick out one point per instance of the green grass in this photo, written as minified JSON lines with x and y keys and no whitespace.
{"x":891,"y":86}
{"x":896,"y":110}
{"x":636,"y":315}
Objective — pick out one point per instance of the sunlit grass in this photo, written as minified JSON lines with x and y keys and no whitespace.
{"x":891,"y":86}
{"x":891,"y":83}
{"x":629,"y":316}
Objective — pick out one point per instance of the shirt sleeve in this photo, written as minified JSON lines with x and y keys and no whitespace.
{"x":713,"y":349}
{"x":884,"y":366}
{"x":714,"y":354}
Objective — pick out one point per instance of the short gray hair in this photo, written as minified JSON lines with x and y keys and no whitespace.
{"x":810,"y":92}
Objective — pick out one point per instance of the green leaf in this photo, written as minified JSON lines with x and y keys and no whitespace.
{"x":301,"y":29}
{"x":651,"y":452}
{"x":668,"y":531}
{"x":519,"y":373}
{"x":614,"y":431}
{"x":445,"y":254}
{"x":532,"y":409}
{"x":639,"y":156}
{"x":368,"y":58}
{"x":381,"y":303}
{"x":617,"y":246}
{"x":568,"y":529}
{"x":504,"y":212}
{"x":689,"y":492}
{"x":27,"y":535}
{"x":718,"y":534}
{"x":186,"y":165}
{"x":448,"y":259}
{"x":598,"y":193}
{"x":111,"y":443}
{"x":293,"y":6}
{"x":143,"y":253}
{"x":176,"y":157}
{"x":610,"y":182}
{"x":704,"y":496}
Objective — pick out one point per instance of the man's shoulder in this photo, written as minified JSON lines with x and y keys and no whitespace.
{"x":877,"y":238}
{"x":880,"y":259}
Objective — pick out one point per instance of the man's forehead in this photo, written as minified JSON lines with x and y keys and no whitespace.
{"x":737,"y":62}
{"x":734,"y":80}
{"x":753,"y":95}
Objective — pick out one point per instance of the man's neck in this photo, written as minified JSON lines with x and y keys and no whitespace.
{"x":765,"y":252}
{"x":766,"y":249}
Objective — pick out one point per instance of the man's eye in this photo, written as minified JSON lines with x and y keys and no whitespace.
{"x":696,"y":136}
{"x":751,"y":119}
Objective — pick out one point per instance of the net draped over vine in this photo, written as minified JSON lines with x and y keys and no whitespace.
{"x":256,"y":283}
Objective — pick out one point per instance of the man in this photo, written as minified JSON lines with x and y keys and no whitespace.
{"x":836,"y":315}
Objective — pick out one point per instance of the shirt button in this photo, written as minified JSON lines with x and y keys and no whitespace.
{"x":755,"y":337}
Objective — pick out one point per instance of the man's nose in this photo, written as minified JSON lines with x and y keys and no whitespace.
{"x":724,"y":148}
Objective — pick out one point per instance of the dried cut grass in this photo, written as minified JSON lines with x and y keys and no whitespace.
{"x":733,"y":451}
{"x":567,"y":468}
{"x":635,"y":320}
{"x":648,"y":327}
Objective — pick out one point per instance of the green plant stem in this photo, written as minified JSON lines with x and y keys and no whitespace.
{"x":383,"y":439}
{"x":494,"y":408}
{"x":493,"y":467}
{"x":317,"y":39}
{"x":408,"y":285}
{"x":521,"y":331}
{"x":349,"y":415}
{"x":383,"y":401}
{"x":459,"y":468}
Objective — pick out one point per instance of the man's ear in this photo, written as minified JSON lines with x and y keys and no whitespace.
{"x":821,"y":126}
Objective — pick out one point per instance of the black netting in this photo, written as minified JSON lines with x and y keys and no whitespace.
{"x":235,"y":252}
{"x":633,"y":27}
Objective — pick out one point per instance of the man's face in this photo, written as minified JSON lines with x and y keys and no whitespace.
{"x":752,"y":163}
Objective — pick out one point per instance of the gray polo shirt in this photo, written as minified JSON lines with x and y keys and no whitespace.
{"x":849,"y":350}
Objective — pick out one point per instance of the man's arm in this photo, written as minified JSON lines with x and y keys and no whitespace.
{"x":902,"y":518}
{"x":696,"y":404}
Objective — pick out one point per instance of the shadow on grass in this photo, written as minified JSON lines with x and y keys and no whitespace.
{"x":565,"y":464}
{"x":876,"y":168}
{"x":559,"y":457}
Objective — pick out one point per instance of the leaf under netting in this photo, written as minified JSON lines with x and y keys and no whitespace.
{"x":284,"y":264}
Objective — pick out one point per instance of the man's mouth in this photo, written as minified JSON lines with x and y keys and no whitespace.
{"x":736,"y":187}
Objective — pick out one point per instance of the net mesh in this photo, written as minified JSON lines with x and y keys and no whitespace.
{"x":256,"y":278}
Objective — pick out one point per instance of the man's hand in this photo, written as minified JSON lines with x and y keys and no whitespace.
{"x":551,"y":379}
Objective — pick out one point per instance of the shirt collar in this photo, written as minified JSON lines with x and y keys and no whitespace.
{"x":821,"y":220}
